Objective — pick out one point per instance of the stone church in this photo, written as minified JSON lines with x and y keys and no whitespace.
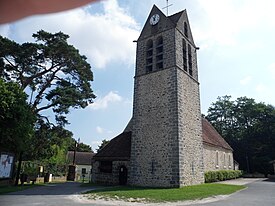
{"x":167,"y":143}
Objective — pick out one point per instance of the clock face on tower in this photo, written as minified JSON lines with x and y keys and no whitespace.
{"x":154,"y":19}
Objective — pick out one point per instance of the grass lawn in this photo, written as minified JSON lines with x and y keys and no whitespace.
{"x":162,"y":195}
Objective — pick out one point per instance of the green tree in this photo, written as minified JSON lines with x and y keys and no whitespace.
{"x":221,"y":113}
{"x":16,"y":121}
{"x":58,"y":77}
{"x":103,"y":144}
{"x":49,"y":148}
{"x":81,"y":147}
{"x":16,"y":118}
{"x":47,"y":142}
{"x":56,"y":164}
{"x":249,"y":127}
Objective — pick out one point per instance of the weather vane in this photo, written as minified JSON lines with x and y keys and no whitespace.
{"x":167,"y":6}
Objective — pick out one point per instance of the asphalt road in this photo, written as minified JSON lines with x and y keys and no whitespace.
{"x":259,"y":193}
{"x":49,"y":195}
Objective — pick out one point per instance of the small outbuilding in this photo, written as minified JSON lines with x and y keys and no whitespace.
{"x":111,"y":163}
{"x":82,"y":162}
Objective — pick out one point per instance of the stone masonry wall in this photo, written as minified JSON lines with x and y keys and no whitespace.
{"x":189,"y":118}
{"x":108,"y":178}
{"x":154,"y":152}
{"x":190,"y":131}
{"x":224,"y":161}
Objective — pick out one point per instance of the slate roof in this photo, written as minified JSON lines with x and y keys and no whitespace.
{"x":119,"y":148}
{"x":212,"y":137}
{"x":175,"y":17}
{"x":81,"y":158}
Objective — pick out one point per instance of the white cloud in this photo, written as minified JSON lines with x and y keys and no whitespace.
{"x":222,"y":21}
{"x":265,"y":93}
{"x":103,"y":37}
{"x":246,"y":80}
{"x":261,"y":88}
{"x":99,"y":130}
{"x":96,"y":143}
{"x":5,"y":30}
{"x":103,"y":103}
{"x":221,"y":26}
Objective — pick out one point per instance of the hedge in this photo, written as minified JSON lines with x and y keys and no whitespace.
{"x":215,"y":176}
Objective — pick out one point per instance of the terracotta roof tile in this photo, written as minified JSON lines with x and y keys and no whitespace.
{"x":212,"y":137}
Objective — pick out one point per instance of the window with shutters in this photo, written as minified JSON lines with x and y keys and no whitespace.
{"x":184,"y":54}
{"x":149,"y":56}
{"x":190,"y":69}
{"x":159,"y":53}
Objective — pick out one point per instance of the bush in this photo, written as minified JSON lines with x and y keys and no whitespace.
{"x":215,"y":176}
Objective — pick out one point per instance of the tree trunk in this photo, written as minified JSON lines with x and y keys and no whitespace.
{"x":18,"y":168}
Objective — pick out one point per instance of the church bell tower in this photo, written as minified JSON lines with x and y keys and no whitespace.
{"x":166,"y":148}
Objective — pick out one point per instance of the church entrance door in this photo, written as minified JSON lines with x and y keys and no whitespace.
{"x":123,"y":173}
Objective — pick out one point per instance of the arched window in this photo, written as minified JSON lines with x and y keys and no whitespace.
{"x":159,"y":53}
{"x":184,"y":53}
{"x":185,"y":29}
{"x":190,"y":60}
{"x":149,"y":56}
{"x":217,"y":159}
{"x":224,"y":161}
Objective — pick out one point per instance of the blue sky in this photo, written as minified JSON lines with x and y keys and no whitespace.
{"x":236,"y":56}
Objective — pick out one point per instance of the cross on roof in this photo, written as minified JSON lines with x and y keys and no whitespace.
{"x":167,"y":6}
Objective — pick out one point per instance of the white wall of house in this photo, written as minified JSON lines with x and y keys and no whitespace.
{"x":79,"y":169}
